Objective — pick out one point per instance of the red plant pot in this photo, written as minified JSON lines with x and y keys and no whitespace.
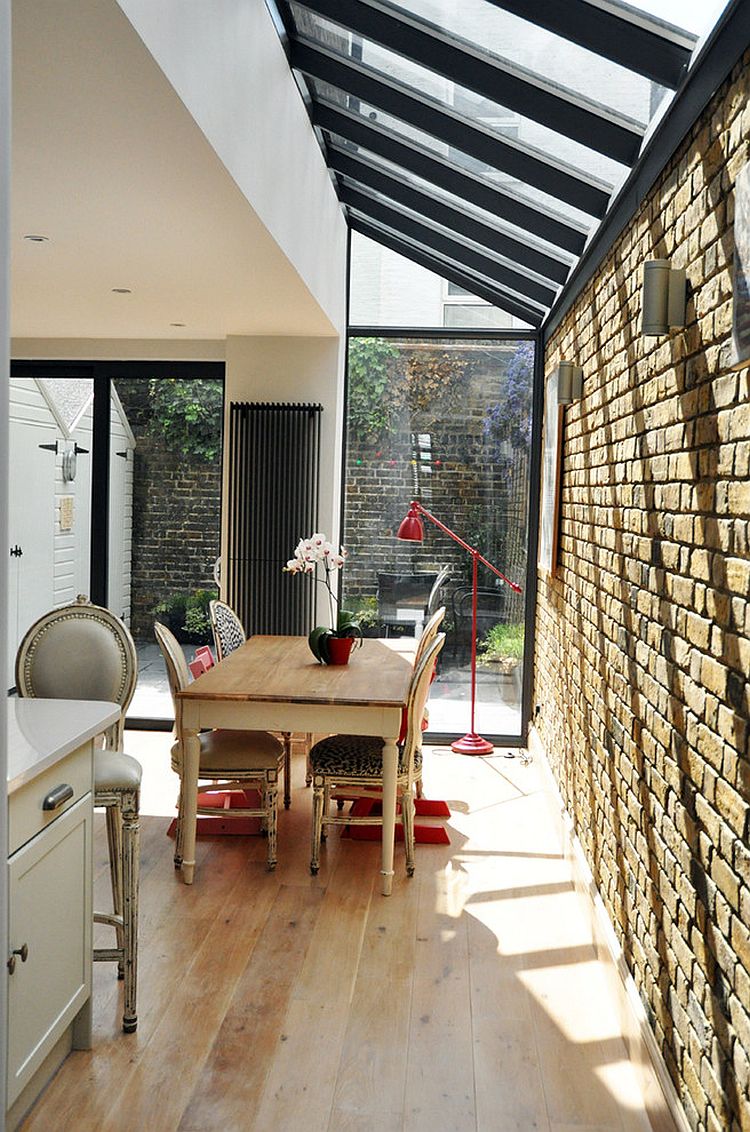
{"x":339,"y":649}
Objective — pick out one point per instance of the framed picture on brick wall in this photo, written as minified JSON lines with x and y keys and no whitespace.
{"x":549,"y":509}
{"x":741,"y":272}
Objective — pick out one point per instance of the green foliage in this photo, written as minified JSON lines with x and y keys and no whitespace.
{"x":367,"y":614}
{"x":371,"y":362}
{"x":502,"y":644}
{"x":188,"y":414}
{"x":187,"y":616}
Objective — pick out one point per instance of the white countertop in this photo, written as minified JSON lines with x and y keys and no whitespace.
{"x":41,"y":732}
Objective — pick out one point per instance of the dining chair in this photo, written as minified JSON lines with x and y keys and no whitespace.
{"x":228,"y":630}
{"x":354,"y":764}
{"x":229,"y":634}
{"x":84,"y":652}
{"x":233,"y":760}
{"x":436,"y":593}
{"x":428,"y":636}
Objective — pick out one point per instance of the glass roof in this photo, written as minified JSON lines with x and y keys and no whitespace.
{"x":488,"y":137}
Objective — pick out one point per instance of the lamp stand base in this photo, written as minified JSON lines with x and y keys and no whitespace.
{"x":472,"y":744}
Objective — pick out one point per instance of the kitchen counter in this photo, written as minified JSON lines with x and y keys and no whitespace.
{"x":41,"y":732}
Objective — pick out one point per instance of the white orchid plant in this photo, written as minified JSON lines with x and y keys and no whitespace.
{"x":309,"y":555}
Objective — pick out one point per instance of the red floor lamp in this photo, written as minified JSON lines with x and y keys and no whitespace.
{"x":412,"y":530}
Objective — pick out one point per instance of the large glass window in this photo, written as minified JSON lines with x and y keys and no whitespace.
{"x":165,"y":507}
{"x":445,"y":420}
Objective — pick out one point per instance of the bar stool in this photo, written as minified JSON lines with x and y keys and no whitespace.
{"x":84,"y":652}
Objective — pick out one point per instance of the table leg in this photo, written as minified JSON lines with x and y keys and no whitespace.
{"x":189,"y":793}
{"x":390,"y":767}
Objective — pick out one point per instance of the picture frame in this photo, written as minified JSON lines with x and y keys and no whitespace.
{"x":741,"y":270}
{"x":549,"y":504}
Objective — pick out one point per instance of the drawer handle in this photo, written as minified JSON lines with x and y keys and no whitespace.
{"x":58,"y":796}
{"x":24,"y":954}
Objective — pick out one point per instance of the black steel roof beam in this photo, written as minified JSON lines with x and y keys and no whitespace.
{"x":503,"y":82}
{"x":446,"y":246}
{"x":353,"y":166}
{"x":416,"y":109}
{"x":427,"y":259}
{"x":622,"y":36}
{"x":430,"y":167}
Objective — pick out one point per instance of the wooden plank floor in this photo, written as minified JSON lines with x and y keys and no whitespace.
{"x":468,"y":1000}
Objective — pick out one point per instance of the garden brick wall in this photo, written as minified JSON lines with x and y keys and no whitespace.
{"x":176,"y":515}
{"x":643,"y":648}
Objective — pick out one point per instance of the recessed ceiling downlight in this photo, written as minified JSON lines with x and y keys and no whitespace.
{"x":121,"y":291}
{"x":36,"y":239}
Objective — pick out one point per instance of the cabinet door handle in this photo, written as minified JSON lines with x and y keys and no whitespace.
{"x":23,"y":951}
{"x":58,"y":796}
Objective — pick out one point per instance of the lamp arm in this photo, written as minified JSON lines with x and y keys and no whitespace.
{"x":417,"y":506}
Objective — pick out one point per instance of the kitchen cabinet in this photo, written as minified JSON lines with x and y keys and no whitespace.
{"x":50,"y":831}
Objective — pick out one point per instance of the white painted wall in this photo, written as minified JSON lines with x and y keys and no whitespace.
{"x":4,"y":359}
{"x":294,"y":369}
{"x":226,"y":62}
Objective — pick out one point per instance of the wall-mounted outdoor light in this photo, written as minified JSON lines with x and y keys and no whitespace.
{"x":663,"y":297}
{"x":569,"y":382}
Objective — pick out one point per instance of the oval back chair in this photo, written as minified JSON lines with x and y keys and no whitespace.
{"x":234,"y":760}
{"x":84,"y":652}
{"x":227,"y":628}
{"x":353,"y":765}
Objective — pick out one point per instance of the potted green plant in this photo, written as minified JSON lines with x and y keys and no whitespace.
{"x":501,"y":648}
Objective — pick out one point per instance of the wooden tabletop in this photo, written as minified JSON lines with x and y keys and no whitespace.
{"x":283,"y":670}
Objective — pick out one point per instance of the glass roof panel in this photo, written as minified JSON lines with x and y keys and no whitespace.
{"x":492,"y":257}
{"x":449,"y":95}
{"x":469,"y":275}
{"x":389,"y":290}
{"x":456,"y":202}
{"x":509,"y":37}
{"x":410,"y":134}
{"x":696,"y":16}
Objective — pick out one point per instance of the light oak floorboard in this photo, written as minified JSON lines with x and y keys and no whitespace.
{"x":469,"y":1000}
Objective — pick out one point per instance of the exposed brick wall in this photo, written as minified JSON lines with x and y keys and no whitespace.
{"x":176,"y":515}
{"x":642,"y":648}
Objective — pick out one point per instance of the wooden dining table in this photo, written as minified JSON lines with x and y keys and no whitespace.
{"x":275,"y":684}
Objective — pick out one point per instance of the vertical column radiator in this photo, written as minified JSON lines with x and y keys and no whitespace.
{"x":274,"y":459}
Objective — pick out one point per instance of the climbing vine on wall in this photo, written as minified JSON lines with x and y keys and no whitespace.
{"x":188,"y":414}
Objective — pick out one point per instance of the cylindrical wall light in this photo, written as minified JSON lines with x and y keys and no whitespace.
{"x":663,"y":297}
{"x":569,"y":382}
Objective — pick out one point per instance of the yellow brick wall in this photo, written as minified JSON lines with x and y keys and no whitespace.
{"x":643,"y":639}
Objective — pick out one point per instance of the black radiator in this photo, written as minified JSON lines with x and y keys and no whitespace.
{"x":274,"y":458}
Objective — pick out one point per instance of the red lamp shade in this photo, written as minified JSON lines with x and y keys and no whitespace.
{"x":411,"y":529}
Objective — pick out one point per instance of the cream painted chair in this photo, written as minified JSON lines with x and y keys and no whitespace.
{"x":353,"y":764}
{"x":83,"y":652}
{"x":229,"y":634}
{"x":428,"y":636}
{"x":233,"y":760}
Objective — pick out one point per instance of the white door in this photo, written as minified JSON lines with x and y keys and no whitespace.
{"x":120,"y":515}
{"x":31,"y":524}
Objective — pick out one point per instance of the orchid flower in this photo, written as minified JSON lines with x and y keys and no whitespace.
{"x":308,"y":553}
